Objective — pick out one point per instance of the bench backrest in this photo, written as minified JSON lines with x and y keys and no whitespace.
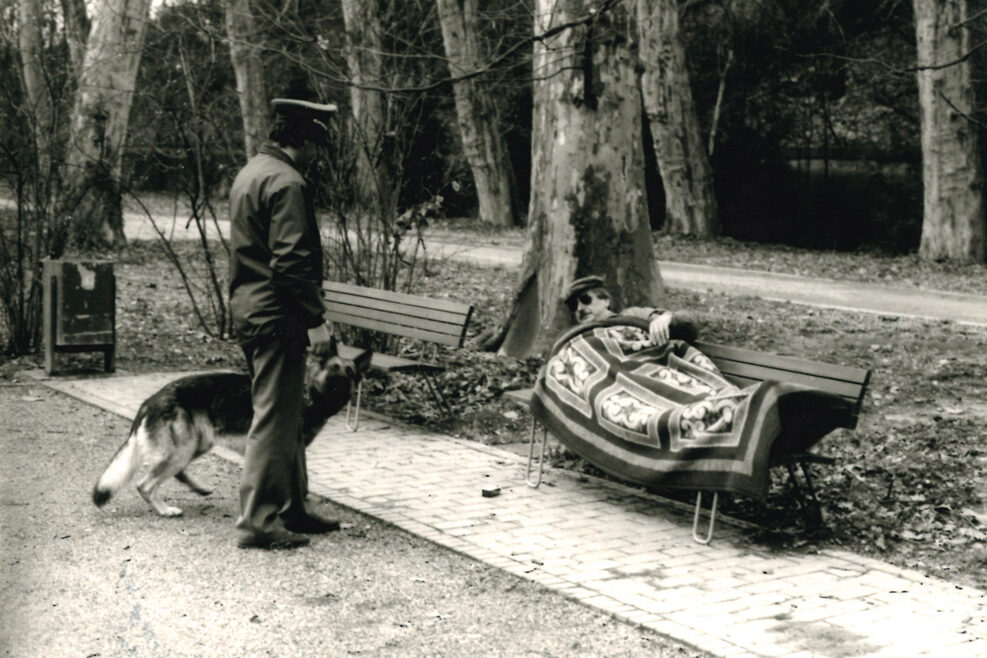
{"x":425,"y":318}
{"x":744,"y":367}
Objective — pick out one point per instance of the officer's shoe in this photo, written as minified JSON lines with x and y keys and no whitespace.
{"x":277,"y":539}
{"x":309,"y":524}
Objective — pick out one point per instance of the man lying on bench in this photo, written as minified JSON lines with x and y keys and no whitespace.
{"x":629,"y":393}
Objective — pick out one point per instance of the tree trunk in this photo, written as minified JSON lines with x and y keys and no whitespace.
{"x":953,"y":214}
{"x":91,"y":193}
{"x":245,"y":47}
{"x":39,"y":105}
{"x":76,"y":31}
{"x":588,"y":212}
{"x":486,"y":152}
{"x":686,"y":175}
{"x":367,"y":106}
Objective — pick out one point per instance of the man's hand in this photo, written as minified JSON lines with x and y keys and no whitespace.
{"x":660,"y":328}
{"x":320,"y":341}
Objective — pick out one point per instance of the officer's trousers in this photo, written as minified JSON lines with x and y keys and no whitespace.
{"x":274,"y":480}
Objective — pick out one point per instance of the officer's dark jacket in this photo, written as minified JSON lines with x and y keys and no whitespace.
{"x":275,"y":253}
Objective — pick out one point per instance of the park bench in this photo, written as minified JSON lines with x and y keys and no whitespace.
{"x":744,"y":367}
{"x":428,"y":320}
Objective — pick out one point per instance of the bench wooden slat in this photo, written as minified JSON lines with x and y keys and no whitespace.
{"x":430,"y":331}
{"x":740,"y":382}
{"x":423,"y":318}
{"x":759,"y":373}
{"x":379,"y":318}
{"x":378,"y":294}
{"x":371,"y":304}
{"x":725,"y":353}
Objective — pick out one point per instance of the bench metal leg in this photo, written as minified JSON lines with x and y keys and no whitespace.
{"x":437,"y":395}
{"x":529,"y":480}
{"x":712,"y":518}
{"x":807,"y":499}
{"x":356,"y":415}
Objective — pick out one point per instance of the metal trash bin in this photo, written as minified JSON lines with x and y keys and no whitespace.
{"x":79,"y":309}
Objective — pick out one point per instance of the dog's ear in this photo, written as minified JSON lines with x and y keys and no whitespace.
{"x":362,"y":361}
{"x":333,"y":346}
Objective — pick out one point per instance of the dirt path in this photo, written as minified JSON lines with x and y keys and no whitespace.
{"x":81,"y":581}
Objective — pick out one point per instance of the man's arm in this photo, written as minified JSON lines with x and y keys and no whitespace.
{"x":667,"y":325}
{"x":295,"y":256}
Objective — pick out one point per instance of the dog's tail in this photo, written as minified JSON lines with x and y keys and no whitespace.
{"x":120,"y":469}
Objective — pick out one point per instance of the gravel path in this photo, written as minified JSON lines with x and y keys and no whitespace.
{"x":82,"y":581}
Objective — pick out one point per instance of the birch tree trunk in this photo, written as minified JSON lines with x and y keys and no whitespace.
{"x":367,"y":106}
{"x":91,"y":192}
{"x":245,"y":45}
{"x":953,"y":213}
{"x":686,"y":175}
{"x":587,"y":213}
{"x":486,"y":152}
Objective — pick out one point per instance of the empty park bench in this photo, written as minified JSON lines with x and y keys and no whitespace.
{"x":744,"y":367}
{"x":425,"y":319}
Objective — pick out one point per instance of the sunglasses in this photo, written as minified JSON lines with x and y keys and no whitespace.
{"x":588,"y":298}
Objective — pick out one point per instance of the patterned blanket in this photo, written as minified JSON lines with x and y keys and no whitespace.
{"x":664,"y":416}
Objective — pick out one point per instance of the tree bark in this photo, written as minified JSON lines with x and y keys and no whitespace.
{"x":91,"y":192}
{"x":367,"y":106}
{"x":953,"y":214}
{"x":486,"y":152}
{"x":39,"y":104}
{"x":687,"y":178}
{"x":76,"y":31}
{"x":587,"y":213}
{"x":245,"y":46}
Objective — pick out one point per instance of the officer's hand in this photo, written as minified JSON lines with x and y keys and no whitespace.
{"x":321,"y":342}
{"x":660,"y":328}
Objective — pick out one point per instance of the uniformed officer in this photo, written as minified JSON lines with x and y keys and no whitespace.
{"x":276,"y":301}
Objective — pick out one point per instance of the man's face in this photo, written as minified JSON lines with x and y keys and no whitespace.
{"x":307,"y":154}
{"x":591,"y":305}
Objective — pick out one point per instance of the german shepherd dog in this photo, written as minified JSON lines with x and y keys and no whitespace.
{"x":182,"y":420}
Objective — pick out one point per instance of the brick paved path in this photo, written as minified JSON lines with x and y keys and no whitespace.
{"x":619,"y":551}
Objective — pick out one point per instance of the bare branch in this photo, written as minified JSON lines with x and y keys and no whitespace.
{"x":971,"y":19}
{"x":340,"y":78}
{"x":890,"y":68}
{"x":979,"y":124}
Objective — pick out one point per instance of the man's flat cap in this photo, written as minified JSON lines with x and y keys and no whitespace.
{"x":302,"y":110}
{"x":582,"y":285}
